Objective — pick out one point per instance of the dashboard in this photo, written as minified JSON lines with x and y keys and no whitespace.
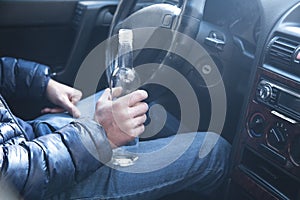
{"x":266,"y":151}
{"x":261,"y":44}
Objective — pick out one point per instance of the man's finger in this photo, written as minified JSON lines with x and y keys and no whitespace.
{"x":140,"y":120}
{"x":116,"y":92}
{"x":72,"y":109}
{"x":105,"y":95}
{"x":135,"y":97}
{"x":76,"y":96}
{"x":137,"y":131}
{"x":138,"y":109}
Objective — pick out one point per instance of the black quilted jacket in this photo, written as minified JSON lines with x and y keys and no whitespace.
{"x":36,"y":160}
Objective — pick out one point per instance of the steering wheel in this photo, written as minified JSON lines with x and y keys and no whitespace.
{"x":184,"y":18}
{"x":187,"y":21}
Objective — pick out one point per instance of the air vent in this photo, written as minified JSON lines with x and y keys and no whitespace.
{"x":281,"y":51}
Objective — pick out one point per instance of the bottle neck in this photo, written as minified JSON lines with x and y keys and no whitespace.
{"x":125,"y":54}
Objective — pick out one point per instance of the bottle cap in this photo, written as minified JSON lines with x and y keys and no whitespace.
{"x":125,"y":35}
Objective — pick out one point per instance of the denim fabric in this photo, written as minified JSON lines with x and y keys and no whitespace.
{"x":188,"y":172}
{"x":48,"y":123}
{"x":191,"y":161}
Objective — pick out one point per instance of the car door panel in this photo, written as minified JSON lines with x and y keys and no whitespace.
{"x":58,"y":33}
{"x":48,"y":31}
{"x":37,"y":30}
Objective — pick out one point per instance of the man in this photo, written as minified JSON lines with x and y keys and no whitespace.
{"x":41,"y":160}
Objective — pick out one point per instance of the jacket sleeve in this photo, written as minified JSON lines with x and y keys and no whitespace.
{"x":23,"y":79}
{"x":49,"y":164}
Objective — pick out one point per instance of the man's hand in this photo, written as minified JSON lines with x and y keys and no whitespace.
{"x":64,"y":97}
{"x":123,"y":119}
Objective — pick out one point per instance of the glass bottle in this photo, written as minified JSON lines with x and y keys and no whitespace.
{"x":125,"y":77}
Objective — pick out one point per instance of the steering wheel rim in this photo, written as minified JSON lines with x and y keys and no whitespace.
{"x":188,"y":21}
{"x":123,"y":10}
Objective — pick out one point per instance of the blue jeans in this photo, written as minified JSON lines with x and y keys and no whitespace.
{"x":196,"y":161}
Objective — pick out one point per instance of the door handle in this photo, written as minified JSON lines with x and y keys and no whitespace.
{"x":215,"y":41}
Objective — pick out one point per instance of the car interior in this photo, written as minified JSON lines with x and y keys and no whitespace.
{"x":254,"y":46}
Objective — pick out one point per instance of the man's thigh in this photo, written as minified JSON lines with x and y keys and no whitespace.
{"x":166,"y":165}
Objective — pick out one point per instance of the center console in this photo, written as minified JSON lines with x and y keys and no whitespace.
{"x":266,"y":161}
